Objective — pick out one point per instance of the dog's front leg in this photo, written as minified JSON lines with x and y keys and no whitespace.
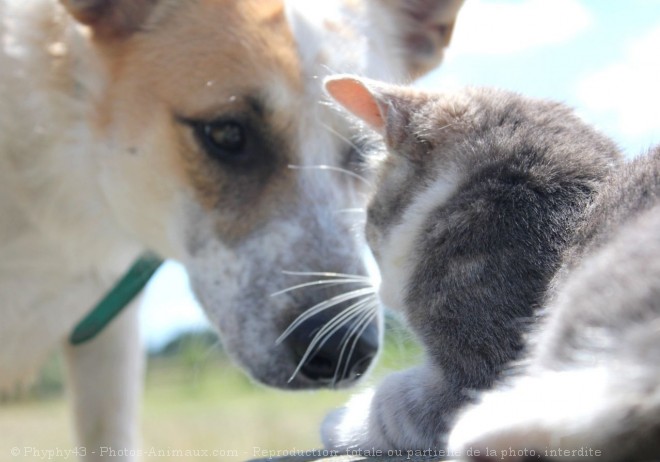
{"x":105,"y":381}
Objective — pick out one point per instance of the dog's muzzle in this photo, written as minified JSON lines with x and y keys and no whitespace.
{"x":341,"y":357}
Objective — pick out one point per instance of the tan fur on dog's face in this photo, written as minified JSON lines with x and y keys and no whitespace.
{"x":201,"y":61}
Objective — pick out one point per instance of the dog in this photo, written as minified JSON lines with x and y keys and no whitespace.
{"x":193,"y":129}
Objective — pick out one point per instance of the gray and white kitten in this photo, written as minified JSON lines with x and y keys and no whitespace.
{"x":477,"y":197}
{"x":589,"y":388}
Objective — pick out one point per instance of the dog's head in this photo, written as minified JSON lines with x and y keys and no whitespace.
{"x":222,"y":155}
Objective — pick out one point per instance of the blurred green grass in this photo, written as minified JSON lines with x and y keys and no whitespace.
{"x":195,"y":400}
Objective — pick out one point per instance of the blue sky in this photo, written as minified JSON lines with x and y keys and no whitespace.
{"x":601,"y":57}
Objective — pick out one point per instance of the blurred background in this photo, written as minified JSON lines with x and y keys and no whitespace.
{"x":600,"y":57}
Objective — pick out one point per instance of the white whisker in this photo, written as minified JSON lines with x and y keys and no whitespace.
{"x":368,"y":308}
{"x":327,"y":331}
{"x":324,"y":282}
{"x":334,"y":324}
{"x":324,"y":334}
{"x":356,"y":210}
{"x":332,"y":169}
{"x":367,"y":317}
{"x":346,"y":340}
{"x":342,"y":137}
{"x":357,"y":277}
{"x":336,"y":300}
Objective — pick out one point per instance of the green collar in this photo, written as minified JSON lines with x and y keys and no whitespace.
{"x":117,"y":298}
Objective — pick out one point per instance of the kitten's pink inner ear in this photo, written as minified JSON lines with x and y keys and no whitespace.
{"x":357,"y":99}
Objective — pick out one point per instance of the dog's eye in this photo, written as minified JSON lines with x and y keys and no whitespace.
{"x":226,"y":136}
{"x":224,"y":140}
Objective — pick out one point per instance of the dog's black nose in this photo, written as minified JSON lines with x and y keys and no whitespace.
{"x":342,"y":355}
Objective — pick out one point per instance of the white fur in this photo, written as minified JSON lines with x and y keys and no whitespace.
{"x":397,"y":250}
{"x":582,"y":409}
{"x":528,"y":414}
{"x":50,"y":201}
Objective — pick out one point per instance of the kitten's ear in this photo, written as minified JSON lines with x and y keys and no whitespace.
{"x":383,"y":107}
{"x":359,"y":99}
{"x":110,"y":18}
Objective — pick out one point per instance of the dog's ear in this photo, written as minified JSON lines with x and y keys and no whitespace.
{"x":110,"y":18}
{"x":393,"y":40}
{"x":420,"y":29}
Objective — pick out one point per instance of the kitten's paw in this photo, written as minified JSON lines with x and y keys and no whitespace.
{"x":406,"y":412}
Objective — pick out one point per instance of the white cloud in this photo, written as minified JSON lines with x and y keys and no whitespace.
{"x":629,"y":89}
{"x":503,"y":27}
